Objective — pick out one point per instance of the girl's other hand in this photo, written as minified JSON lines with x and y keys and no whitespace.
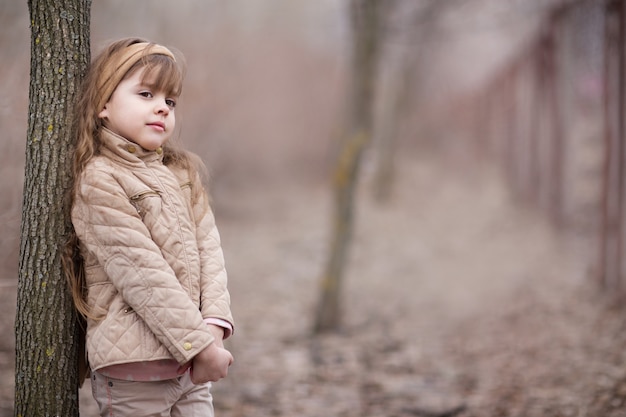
{"x":183,"y":368}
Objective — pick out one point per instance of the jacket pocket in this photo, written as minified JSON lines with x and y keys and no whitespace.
{"x":100,"y":290}
{"x":148,"y":204}
{"x":186,"y":190}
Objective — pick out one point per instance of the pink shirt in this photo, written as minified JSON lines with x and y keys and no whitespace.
{"x":156,"y":370}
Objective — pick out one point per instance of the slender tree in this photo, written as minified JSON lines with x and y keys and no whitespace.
{"x":366,"y":21}
{"x":610,"y":266}
{"x":46,"y":374}
{"x":410,"y":26}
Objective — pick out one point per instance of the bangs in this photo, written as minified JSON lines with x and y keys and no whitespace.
{"x":161,"y":73}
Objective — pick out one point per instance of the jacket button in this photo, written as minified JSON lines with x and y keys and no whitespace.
{"x":131,"y":148}
{"x":187,"y":346}
{"x":159,"y":150}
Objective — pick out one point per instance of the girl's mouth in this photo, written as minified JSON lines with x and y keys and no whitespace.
{"x":158,"y":125}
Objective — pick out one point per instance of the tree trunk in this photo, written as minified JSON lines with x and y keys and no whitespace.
{"x":46,"y":374}
{"x":610,"y":256}
{"x":365,"y":14}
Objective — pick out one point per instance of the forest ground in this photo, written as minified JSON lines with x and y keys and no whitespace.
{"x":458,"y":302}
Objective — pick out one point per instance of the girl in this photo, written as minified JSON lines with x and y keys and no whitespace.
{"x":144,"y":261}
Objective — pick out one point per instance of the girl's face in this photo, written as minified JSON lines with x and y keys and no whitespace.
{"x":139,"y":113}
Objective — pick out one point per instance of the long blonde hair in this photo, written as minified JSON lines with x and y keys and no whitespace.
{"x":168,"y":74}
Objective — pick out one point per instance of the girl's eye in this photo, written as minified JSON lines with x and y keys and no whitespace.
{"x":146,"y":94}
{"x":171,"y":103}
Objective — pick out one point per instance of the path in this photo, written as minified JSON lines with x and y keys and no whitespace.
{"x":455,"y":300}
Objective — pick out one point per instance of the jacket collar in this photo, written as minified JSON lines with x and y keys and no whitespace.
{"x":120,"y":148}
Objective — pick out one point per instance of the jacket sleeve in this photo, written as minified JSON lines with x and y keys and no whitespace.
{"x":110,"y":228}
{"x":214,"y":295}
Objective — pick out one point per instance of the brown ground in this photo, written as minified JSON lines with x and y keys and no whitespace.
{"x":457,"y":303}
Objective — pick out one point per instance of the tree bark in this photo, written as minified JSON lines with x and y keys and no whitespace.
{"x":610,"y":236}
{"x":357,"y":134}
{"x":46,"y":374}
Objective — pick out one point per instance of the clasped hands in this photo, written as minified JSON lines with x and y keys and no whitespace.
{"x":212,"y":363}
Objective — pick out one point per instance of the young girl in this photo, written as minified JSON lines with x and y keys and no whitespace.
{"x":145,"y":263}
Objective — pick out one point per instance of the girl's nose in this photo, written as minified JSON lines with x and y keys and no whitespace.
{"x":162,"y":107}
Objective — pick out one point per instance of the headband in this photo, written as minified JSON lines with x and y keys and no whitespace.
{"x":120,"y":63}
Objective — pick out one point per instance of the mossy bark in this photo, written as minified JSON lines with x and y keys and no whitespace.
{"x":46,"y":374}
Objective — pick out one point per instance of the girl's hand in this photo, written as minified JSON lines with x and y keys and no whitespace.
{"x":211,"y":364}
{"x":218,"y":334}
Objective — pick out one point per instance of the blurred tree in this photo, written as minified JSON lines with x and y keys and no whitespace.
{"x":46,"y":374}
{"x":409,"y":25}
{"x":366,"y":17}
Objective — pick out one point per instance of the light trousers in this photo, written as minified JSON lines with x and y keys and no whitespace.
{"x":177,"y":397}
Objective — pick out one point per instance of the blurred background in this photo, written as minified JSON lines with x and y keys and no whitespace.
{"x":485,"y":272}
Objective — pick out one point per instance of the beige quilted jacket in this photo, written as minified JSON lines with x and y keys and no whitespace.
{"x":154,"y":263}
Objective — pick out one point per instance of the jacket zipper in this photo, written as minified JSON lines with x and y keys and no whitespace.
{"x":135,"y":198}
{"x":142,"y":195}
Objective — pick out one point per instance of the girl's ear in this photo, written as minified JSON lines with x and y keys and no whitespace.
{"x":104,"y":113}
